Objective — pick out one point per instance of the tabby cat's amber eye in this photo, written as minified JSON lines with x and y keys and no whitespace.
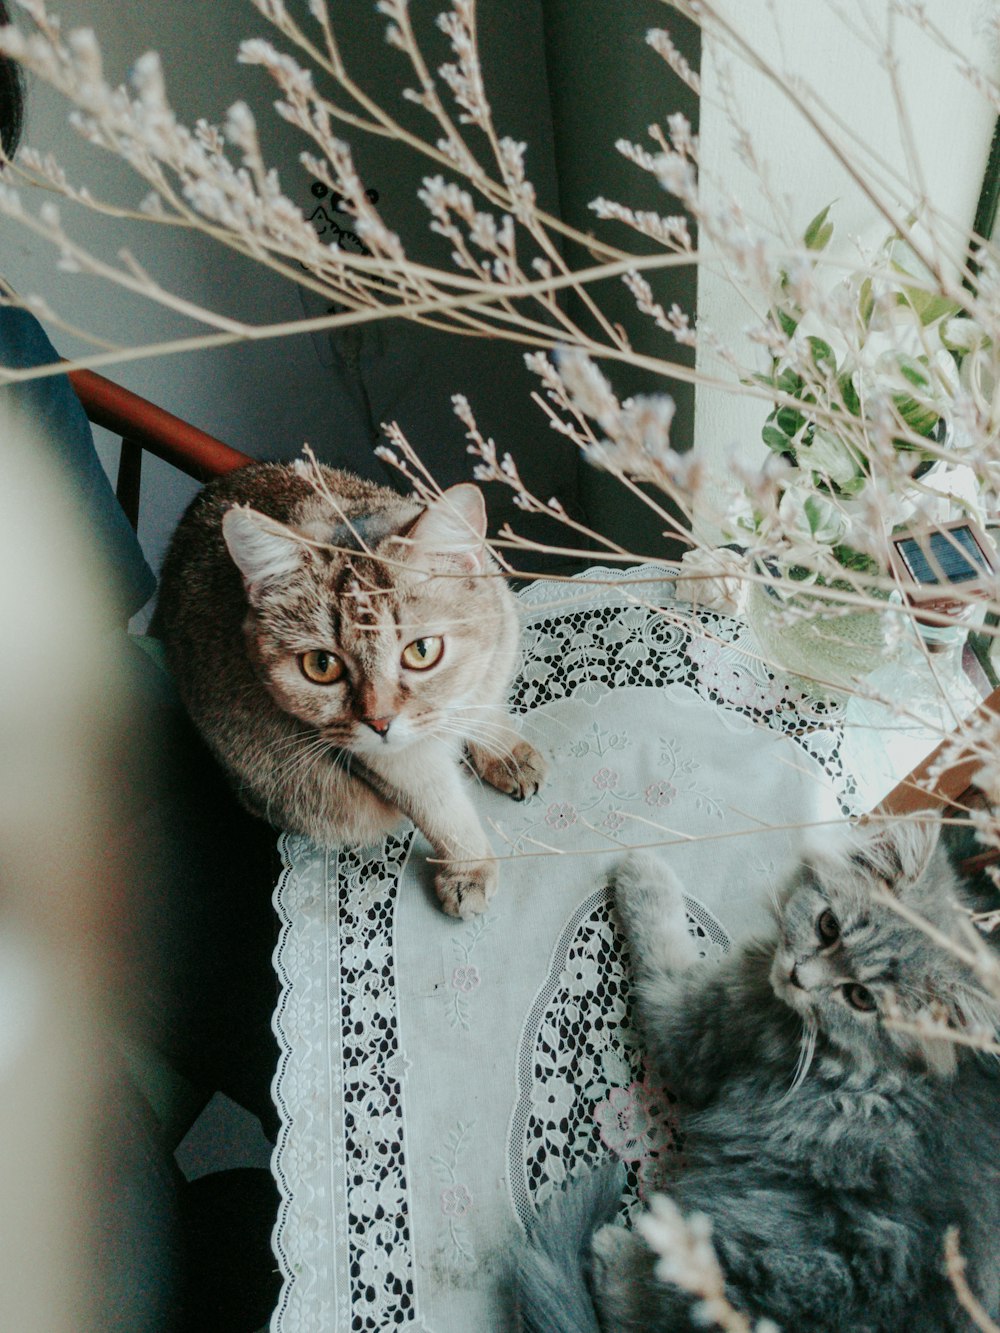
{"x":321,"y":667}
{"x":859,"y":997}
{"x":827,"y":927}
{"x":422,"y":653}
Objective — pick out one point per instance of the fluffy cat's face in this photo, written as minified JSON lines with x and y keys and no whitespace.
{"x":376,"y":653}
{"x":858,"y":972}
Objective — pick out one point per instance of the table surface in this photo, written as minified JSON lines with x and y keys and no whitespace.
{"x":438,"y":1079}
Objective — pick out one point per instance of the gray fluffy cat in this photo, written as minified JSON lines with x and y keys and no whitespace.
{"x":830,"y":1151}
{"x":337,"y":645}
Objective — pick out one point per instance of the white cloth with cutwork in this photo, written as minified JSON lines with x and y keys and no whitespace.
{"x":440,"y":1078}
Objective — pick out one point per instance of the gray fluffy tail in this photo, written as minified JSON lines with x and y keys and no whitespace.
{"x":551,"y":1292}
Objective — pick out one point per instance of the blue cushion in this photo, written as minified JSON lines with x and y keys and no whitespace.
{"x":51,"y":403}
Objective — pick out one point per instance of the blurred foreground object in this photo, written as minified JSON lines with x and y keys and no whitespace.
{"x":56,"y":877}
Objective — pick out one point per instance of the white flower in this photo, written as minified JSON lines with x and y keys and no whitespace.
{"x":714,"y":578}
{"x":946,"y":492}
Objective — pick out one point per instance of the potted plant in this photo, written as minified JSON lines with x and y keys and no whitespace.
{"x":880,"y":386}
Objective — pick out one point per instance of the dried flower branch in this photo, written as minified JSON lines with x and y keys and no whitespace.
{"x":955,"y":1263}
{"x":853,"y":430}
{"x":686,"y":1259}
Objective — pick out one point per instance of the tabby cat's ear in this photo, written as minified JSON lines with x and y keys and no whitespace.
{"x":261,"y":547}
{"x":899,"y":853}
{"x":451,"y":531}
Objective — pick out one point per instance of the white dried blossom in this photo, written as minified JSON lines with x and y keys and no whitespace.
{"x":284,"y":68}
{"x":273,"y":10}
{"x":640,"y":156}
{"x":686,"y":1258}
{"x":152,"y":205}
{"x":681,"y":136}
{"x":674,"y":321}
{"x":678,"y":177}
{"x":671,"y":232}
{"x":510,"y":156}
{"x":465,"y":76}
{"x":660,"y":40}
{"x":714,"y":578}
{"x":241,"y":129}
{"x":587,"y":389}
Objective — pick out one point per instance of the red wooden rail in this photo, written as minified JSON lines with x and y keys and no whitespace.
{"x":143,"y":425}
{"x":924,"y":788}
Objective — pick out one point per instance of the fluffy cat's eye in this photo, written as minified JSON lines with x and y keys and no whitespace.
{"x":859,"y":997}
{"x":321,"y":667}
{"x":827,"y":927}
{"x":422,"y":653}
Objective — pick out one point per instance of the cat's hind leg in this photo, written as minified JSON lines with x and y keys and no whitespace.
{"x":627,"y":1293}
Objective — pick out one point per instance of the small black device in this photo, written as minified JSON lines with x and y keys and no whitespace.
{"x":932,"y":560}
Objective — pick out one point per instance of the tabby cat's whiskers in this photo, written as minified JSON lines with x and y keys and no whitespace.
{"x":334,"y":645}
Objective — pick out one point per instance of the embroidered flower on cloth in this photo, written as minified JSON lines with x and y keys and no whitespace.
{"x":639,"y":1125}
{"x":704,"y":652}
{"x":465,"y":978}
{"x":560,"y":814}
{"x":625,"y":1124}
{"x":606,"y":778}
{"x":660,"y":793}
{"x":456,"y":1200}
{"x":628,"y":632}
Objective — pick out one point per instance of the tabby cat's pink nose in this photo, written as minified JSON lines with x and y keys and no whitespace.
{"x":380,"y":725}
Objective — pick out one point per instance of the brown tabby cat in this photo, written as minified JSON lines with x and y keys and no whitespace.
{"x":336,"y":644}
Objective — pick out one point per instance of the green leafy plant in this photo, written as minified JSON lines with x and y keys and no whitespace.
{"x":869,"y":394}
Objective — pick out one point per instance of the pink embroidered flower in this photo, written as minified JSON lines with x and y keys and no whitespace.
{"x":560,"y":814}
{"x":613,"y":821}
{"x":465,"y":978}
{"x":740,"y":689}
{"x":660,"y":793}
{"x":625,"y":1124}
{"x":606,"y":778}
{"x":704,"y":652}
{"x":455,"y":1200}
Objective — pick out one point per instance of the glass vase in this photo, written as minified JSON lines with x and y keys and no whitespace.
{"x":827,"y":646}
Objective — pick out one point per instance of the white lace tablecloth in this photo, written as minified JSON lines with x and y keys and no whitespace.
{"x":439,"y":1078}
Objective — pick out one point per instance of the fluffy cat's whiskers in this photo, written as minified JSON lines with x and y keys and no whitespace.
{"x":807,"y":1049}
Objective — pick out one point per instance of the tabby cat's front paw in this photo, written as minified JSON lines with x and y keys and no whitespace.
{"x":465,"y":890}
{"x":650,"y":902}
{"x":518,"y":774}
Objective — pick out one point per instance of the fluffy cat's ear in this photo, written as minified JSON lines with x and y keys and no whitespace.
{"x":261,"y":547}
{"x":451,"y":532}
{"x":955,"y":1003}
{"x":899,"y":853}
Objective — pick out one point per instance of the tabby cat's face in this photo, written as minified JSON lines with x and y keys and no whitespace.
{"x":375,"y":663}
{"x":411,"y":638}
